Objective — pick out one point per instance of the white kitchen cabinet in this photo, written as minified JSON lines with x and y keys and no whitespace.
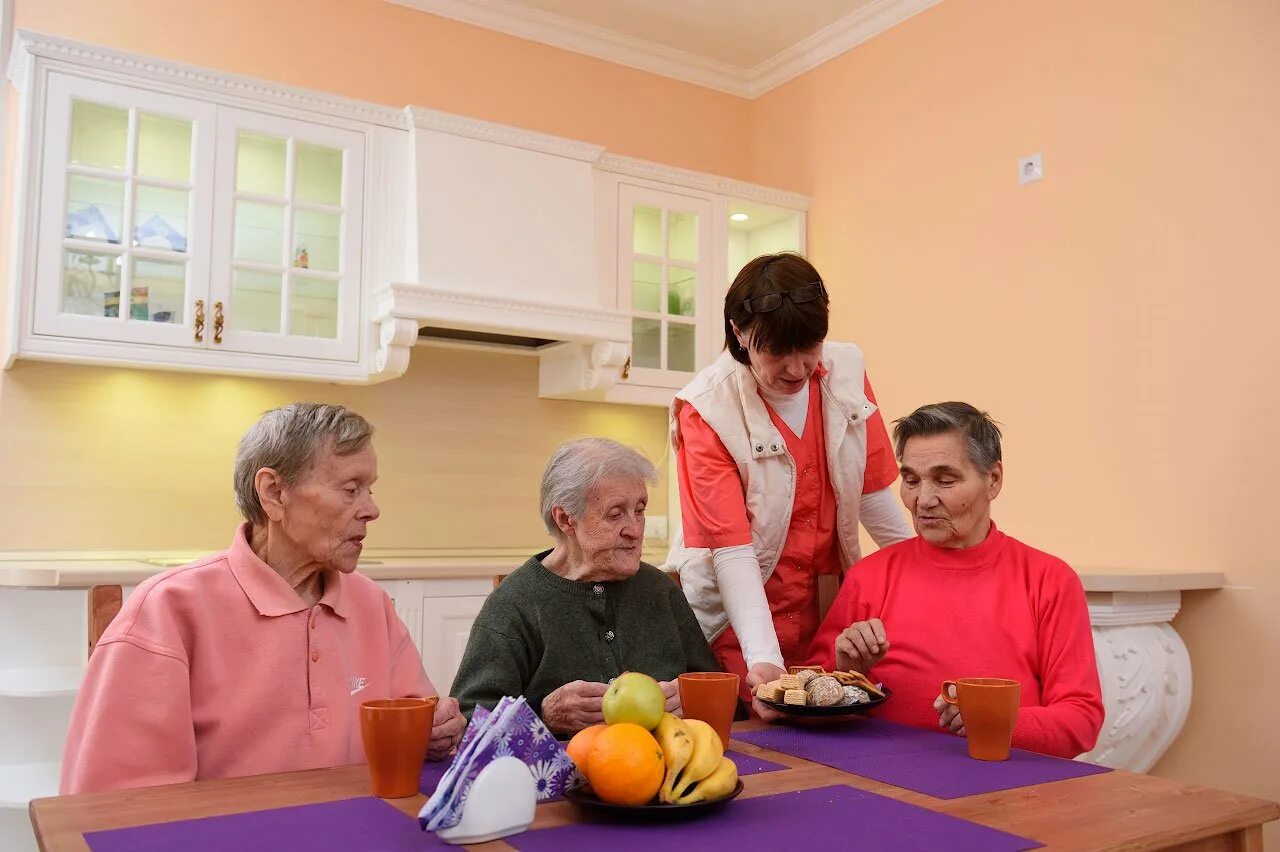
{"x":670,"y":244}
{"x":439,"y":615}
{"x":162,"y":226}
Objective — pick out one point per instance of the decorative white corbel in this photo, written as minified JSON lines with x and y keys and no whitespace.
{"x":581,"y":370}
{"x":396,"y":336}
{"x":1146,"y":676}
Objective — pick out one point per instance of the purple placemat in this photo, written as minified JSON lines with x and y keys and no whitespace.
{"x":750,"y":765}
{"x":368,"y":824}
{"x":935,"y":764}
{"x":836,"y":817}
{"x":432,"y":772}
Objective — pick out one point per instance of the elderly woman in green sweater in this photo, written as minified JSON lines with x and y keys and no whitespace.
{"x":572,"y":618}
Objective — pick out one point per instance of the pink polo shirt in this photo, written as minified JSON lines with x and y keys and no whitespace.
{"x":219,"y":669}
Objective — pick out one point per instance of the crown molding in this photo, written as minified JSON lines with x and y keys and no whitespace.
{"x":646,"y":170}
{"x":579,"y":37}
{"x":570,"y":34}
{"x":234,"y":86}
{"x":831,"y":41}
{"x":488,"y":131}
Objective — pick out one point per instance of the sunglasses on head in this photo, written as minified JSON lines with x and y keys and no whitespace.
{"x":773,"y":301}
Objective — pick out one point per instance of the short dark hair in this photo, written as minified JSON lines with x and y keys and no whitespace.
{"x":790,"y":327}
{"x":981,"y":433}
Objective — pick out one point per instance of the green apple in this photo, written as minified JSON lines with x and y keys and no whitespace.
{"x":634,"y":697}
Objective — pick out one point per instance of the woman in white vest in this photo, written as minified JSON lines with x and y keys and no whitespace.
{"x":781,"y":453}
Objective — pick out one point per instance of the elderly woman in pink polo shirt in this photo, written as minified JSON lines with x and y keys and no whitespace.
{"x":256,"y":659}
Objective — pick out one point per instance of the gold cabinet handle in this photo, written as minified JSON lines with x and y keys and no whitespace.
{"x":217,"y":322}
{"x":199,"y":320}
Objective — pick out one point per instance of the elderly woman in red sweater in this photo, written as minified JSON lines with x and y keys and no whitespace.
{"x":962,"y":599}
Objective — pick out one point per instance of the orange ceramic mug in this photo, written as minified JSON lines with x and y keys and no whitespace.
{"x":395,"y":733}
{"x":711,"y":697}
{"x":989,"y":708}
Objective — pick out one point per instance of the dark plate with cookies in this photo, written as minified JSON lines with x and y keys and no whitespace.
{"x":809,"y":691}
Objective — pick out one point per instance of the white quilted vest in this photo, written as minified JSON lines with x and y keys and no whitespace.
{"x":725,"y":395}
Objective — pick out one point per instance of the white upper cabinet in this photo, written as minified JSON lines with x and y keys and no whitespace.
{"x":670,"y":249}
{"x":664,"y":282}
{"x":181,"y":218}
{"x":126,"y":198}
{"x":286,"y":247}
{"x":164,"y":226}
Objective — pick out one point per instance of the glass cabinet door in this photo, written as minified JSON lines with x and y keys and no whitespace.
{"x":126,"y":185}
{"x":286,"y":279}
{"x":664,"y":268}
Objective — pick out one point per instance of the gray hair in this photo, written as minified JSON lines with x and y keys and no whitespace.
{"x":981,"y":433}
{"x":288,"y":440}
{"x":576,"y":466}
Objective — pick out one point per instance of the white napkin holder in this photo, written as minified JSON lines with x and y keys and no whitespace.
{"x":500,"y":803}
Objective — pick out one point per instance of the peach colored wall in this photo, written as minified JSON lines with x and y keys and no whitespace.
{"x":1118,"y":317}
{"x":93,"y":456}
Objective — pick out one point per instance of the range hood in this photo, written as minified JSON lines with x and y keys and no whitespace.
{"x":499,"y":249}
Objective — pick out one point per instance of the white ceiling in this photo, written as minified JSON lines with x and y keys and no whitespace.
{"x":744,"y":47}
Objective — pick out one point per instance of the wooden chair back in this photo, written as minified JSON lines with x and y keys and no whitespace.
{"x":104,"y":603}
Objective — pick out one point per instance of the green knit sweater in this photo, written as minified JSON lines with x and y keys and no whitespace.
{"x":539,"y":631}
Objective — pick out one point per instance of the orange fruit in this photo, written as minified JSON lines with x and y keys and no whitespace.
{"x":625,"y":765}
{"x":579,"y":745}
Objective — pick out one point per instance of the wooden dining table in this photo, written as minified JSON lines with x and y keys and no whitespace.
{"x":1115,"y":811}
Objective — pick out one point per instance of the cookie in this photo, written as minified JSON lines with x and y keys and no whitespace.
{"x":853,"y":695}
{"x":769,"y":692}
{"x":798,"y":669}
{"x":824,"y":692}
{"x":790,"y":682}
{"x":806,"y":676}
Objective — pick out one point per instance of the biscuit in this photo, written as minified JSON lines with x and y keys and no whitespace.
{"x":769,"y":692}
{"x":795,"y":697}
{"x":824,"y":692}
{"x":790,"y":682}
{"x":806,"y":676}
{"x":798,"y":669}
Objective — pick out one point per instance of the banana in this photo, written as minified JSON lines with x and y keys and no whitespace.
{"x":676,"y":741}
{"x":717,"y":785}
{"x":705,"y":759}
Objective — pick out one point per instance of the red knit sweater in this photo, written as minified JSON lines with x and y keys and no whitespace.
{"x":1000,"y":609}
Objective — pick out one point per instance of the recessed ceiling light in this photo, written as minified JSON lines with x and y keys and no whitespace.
{"x":739,"y":217}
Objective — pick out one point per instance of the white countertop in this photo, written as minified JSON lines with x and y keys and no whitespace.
{"x":72,"y":570}
{"x":79,"y":570}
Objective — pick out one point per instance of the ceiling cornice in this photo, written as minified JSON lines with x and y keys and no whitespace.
{"x":580,"y":37}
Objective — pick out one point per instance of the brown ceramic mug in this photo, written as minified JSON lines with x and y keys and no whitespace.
{"x":989,"y":708}
{"x":396,"y":732}
{"x":711,"y":697}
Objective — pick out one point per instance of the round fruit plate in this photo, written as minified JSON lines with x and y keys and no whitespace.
{"x":584,"y":798}
{"x":840,"y":711}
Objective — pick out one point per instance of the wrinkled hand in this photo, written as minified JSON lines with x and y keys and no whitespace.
{"x":948,"y":716}
{"x":861,"y":645}
{"x":756,"y":675}
{"x":446,"y":729}
{"x":671,"y":689}
{"x":574,"y":706}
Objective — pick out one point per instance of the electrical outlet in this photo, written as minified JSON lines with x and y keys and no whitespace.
{"x":655,"y":527}
{"x":1030,"y":168}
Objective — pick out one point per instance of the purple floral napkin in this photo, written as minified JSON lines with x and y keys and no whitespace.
{"x":512,"y":728}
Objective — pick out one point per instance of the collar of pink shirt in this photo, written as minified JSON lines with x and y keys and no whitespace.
{"x":267,"y":590}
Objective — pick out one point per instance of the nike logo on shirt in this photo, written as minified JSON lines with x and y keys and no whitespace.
{"x":357,"y":684}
